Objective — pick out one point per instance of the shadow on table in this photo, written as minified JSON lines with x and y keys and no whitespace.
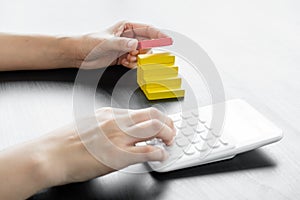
{"x":121,"y":188}
{"x":254,"y":159}
{"x":110,"y":75}
{"x":65,"y":75}
{"x":151,"y":186}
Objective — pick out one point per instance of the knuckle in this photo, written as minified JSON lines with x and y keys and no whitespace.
{"x":170,"y":122}
{"x":154,"y":154}
{"x":123,"y":22}
{"x":156,"y":125}
{"x":147,"y":149}
{"x":108,"y":124}
{"x":121,"y":42}
{"x":148,"y":29}
{"x":105,"y":110}
{"x":154,"y":112}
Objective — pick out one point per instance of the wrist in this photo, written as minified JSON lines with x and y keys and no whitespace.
{"x":24,"y":168}
{"x":39,"y":163}
{"x":67,"y":160}
{"x":69,"y":52}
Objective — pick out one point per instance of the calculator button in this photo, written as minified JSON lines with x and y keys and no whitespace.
{"x":175,"y":118}
{"x":174,"y":151}
{"x":216,"y":134}
{"x":189,"y":150}
{"x":207,"y":126}
{"x":213,"y":144}
{"x":200,"y":128}
{"x":186,"y":115}
{"x":187,"y":131}
{"x":201,"y":120}
{"x":180,"y":124}
{"x":202,"y":146}
{"x":182,"y":142}
{"x":194,"y":139}
{"x":224,"y":141}
{"x":192,"y":121}
{"x":207,"y":135}
{"x":195,"y":113}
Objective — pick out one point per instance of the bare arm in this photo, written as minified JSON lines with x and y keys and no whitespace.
{"x":62,"y":157}
{"x":21,"y":172}
{"x":19,"y":52}
{"x":35,"y":52}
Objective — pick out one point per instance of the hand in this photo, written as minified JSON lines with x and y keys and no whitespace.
{"x":116,"y":45}
{"x":107,"y":146}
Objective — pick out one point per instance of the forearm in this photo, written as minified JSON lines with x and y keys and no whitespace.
{"x":21,"y":172}
{"x":36,"y":52}
{"x":64,"y":156}
{"x":54,"y":159}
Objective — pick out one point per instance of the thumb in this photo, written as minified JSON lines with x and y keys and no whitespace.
{"x":123,"y":44}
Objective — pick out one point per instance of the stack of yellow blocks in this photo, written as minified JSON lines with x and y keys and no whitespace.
{"x":157,"y":76}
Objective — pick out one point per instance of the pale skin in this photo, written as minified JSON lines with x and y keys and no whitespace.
{"x":60,"y":157}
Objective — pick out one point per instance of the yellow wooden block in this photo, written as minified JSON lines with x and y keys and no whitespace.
{"x":160,"y":73}
{"x":163,"y":94}
{"x":155,"y":66}
{"x":158,"y":77}
{"x":158,"y":86}
{"x":171,"y":83}
{"x":155,"y":58}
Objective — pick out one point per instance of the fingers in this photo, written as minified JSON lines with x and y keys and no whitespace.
{"x":145,"y":51}
{"x":127,"y":36}
{"x":146,"y":114}
{"x":148,"y":153}
{"x":128,"y":64}
{"x":118,"y":28}
{"x":137,"y":125}
{"x":136,"y":30}
{"x":130,"y":61}
{"x":108,"y":112}
{"x":134,"y":117}
{"x":131,"y":58}
{"x":134,"y":52}
{"x":143,"y":30}
{"x":123,"y":44}
{"x":150,"y":129}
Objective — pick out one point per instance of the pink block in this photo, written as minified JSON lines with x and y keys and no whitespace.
{"x":146,"y":44}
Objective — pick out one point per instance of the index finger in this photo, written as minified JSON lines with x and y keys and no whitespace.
{"x":142,"y":30}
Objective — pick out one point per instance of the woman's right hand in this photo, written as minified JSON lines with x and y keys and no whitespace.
{"x":88,"y":150}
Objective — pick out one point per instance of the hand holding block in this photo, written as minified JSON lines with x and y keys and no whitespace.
{"x":147,"y":44}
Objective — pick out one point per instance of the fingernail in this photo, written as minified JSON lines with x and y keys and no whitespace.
{"x":131,"y":43}
{"x":170,"y":142}
{"x":133,"y":59}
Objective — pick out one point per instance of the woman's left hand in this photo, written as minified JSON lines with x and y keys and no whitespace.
{"x":116,"y":45}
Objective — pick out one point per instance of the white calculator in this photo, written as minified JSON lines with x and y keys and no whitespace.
{"x":197,"y":143}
